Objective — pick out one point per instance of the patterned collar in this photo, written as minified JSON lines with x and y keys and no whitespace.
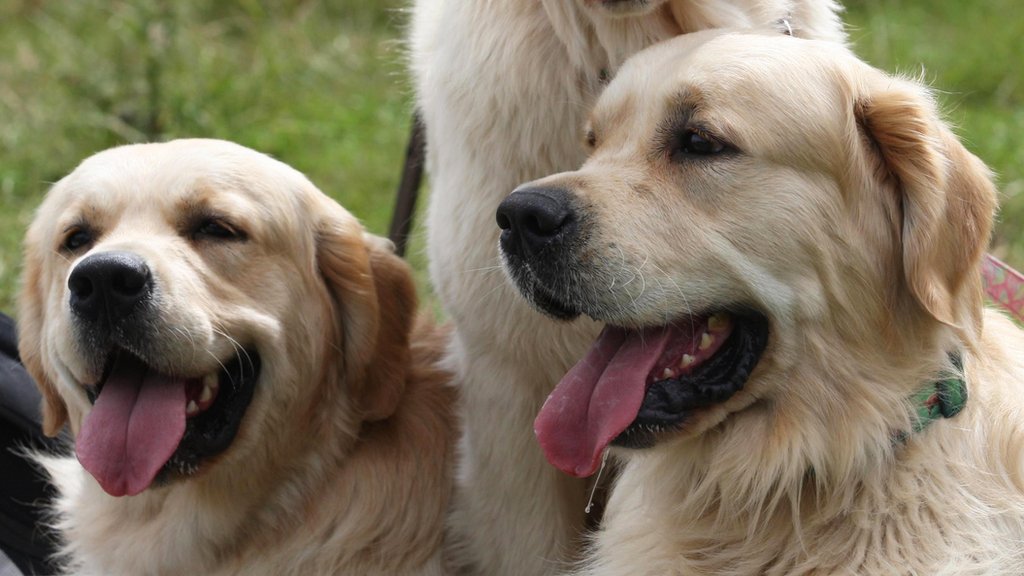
{"x":942,"y":398}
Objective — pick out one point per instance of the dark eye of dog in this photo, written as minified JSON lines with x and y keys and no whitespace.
{"x":217,"y":229}
{"x":591,"y":138}
{"x":77,"y":239}
{"x":696,"y":143}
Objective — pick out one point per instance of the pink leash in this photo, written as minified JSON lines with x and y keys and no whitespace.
{"x":1004,"y":285}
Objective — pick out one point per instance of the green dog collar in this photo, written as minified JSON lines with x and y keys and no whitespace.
{"x":943,"y":398}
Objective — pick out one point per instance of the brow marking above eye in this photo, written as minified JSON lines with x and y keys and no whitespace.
{"x":214,"y":226}
{"x":201,"y":219}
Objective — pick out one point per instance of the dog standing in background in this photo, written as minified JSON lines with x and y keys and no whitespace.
{"x":504,"y":87}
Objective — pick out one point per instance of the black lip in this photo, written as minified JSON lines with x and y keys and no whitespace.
{"x":212,"y":431}
{"x":550,"y":304}
{"x":544,"y":300}
{"x":668,"y":404}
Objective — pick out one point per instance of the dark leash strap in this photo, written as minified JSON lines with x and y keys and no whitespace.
{"x":408,"y":187}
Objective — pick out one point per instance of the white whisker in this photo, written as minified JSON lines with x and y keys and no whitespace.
{"x":686,"y":302}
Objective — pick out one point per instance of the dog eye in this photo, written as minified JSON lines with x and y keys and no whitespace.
{"x":591,"y":138}
{"x":696,"y":143}
{"x":217,"y":229}
{"x":77,"y":239}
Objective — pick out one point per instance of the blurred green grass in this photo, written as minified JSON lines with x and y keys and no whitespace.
{"x":321,"y":86}
{"x":970,"y":52}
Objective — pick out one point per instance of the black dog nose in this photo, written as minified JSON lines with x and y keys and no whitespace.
{"x":109,"y":284}
{"x":532,"y":218}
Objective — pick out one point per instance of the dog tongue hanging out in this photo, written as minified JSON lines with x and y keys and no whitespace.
{"x":598,"y":398}
{"x":134,"y":427}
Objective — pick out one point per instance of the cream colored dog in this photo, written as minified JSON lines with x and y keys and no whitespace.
{"x":232,"y":352}
{"x":784,"y":244}
{"x":504,"y":87}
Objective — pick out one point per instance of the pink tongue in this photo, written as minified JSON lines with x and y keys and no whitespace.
{"x":134,"y":427}
{"x":599,"y":397}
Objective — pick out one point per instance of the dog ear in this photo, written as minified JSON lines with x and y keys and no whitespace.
{"x":374,"y":293}
{"x":396,"y":296}
{"x":31,"y":343}
{"x":946,"y":194}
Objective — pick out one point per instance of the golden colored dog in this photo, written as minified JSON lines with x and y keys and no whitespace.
{"x":504,"y":87}
{"x":237,"y":361}
{"x":797,"y":368}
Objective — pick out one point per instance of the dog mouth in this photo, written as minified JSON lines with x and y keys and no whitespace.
{"x":147,"y":427}
{"x":636,"y":386}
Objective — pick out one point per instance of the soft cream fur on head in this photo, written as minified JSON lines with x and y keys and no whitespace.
{"x":245,"y":255}
{"x":836,"y":202}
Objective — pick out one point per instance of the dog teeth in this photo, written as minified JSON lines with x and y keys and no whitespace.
{"x":210,"y":386}
{"x":206,"y":395}
{"x":705,"y":341}
{"x":686,"y":362}
{"x":718,"y":322}
{"x":667,"y":373}
{"x":192,"y":409}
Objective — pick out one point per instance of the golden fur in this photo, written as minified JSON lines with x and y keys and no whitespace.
{"x":504,"y":87}
{"x":341,"y":464}
{"x":847,"y":212}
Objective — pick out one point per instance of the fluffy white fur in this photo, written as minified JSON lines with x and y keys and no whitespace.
{"x":342,"y":463}
{"x":848,"y":213}
{"x":504,"y":87}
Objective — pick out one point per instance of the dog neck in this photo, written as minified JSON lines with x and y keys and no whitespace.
{"x":598,"y":44}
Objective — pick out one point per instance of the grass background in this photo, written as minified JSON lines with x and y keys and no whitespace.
{"x":321,"y":86}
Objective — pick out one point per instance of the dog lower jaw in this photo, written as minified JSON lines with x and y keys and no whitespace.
{"x":669,"y":404}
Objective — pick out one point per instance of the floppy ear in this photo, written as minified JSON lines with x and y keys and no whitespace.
{"x":947,"y":197}
{"x":31,"y":344}
{"x":389,"y":366}
{"x":374,"y":293}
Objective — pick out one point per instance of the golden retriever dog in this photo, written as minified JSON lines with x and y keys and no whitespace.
{"x":237,"y":361}
{"x":504,"y":87}
{"x":796,"y":367}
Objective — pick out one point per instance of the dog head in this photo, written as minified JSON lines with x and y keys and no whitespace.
{"x":195,"y":305}
{"x":770,"y":228}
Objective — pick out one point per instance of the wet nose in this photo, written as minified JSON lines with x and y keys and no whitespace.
{"x":532,"y":218}
{"x":109,"y":285}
